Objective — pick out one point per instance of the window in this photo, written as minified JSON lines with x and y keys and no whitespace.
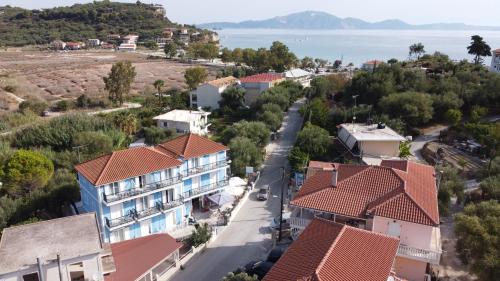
{"x":76,"y":272}
{"x":115,"y":188}
{"x":394,"y":229}
{"x":31,"y":277}
{"x":144,"y":202}
{"x":165,"y":124}
{"x":118,"y":235}
{"x":170,"y":195}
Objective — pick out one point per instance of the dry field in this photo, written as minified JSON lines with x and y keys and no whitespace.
{"x":53,"y":76}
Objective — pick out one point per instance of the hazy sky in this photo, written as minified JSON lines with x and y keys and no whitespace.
{"x":477,"y":12}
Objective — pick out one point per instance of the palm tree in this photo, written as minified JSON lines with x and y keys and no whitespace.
{"x":127,"y":123}
{"x":417,"y":50}
{"x":479,"y":49}
{"x":158,"y":84}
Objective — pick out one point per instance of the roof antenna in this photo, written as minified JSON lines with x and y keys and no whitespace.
{"x":354,"y":110}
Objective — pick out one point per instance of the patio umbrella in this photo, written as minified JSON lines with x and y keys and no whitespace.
{"x":221,"y":198}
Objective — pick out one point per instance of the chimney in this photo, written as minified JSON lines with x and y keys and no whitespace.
{"x":334,"y":177}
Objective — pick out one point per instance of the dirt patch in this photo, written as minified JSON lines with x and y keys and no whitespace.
{"x":52,"y":76}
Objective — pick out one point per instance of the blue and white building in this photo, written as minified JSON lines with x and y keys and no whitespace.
{"x":145,"y":190}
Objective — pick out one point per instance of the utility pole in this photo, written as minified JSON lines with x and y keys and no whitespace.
{"x":77,"y":148}
{"x":281,"y":203}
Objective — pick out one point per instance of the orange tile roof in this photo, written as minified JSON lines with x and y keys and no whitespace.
{"x":335,"y":252}
{"x":374,"y":62}
{"x":124,"y":164}
{"x":400,"y":190}
{"x":261,"y":78}
{"x":190,"y":146}
{"x":135,"y":257}
{"x":223,"y":81}
{"x":497,"y":51}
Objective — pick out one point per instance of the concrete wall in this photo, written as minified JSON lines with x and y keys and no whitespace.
{"x":495,"y":63}
{"x":379,"y":148}
{"x":412,"y":234}
{"x":208,"y":95}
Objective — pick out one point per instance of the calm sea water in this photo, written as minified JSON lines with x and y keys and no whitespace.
{"x":358,"y":46}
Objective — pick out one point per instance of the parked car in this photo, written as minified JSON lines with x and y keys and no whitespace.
{"x":263,"y":193}
{"x":259,"y":268}
{"x":275,"y":222}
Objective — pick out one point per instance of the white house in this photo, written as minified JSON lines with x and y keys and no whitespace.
{"x":256,"y":84}
{"x":299,"y":75}
{"x":127,"y":47}
{"x":130,"y":39}
{"x":93,"y":43}
{"x":495,"y":61}
{"x":371,"y":65}
{"x":184,"y":121}
{"x":370,"y":142}
{"x":64,"y":249}
{"x":209,"y":94}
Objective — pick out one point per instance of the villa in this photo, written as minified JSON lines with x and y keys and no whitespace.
{"x":184,"y":121}
{"x":256,"y":84}
{"x":145,"y":190}
{"x":208,"y":95}
{"x":397,"y":198}
{"x":300,"y":76}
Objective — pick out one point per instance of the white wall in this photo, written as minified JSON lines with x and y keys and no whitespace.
{"x":412,"y":234}
{"x":380,"y":148}
{"x":208,"y":95}
{"x":495,"y":63}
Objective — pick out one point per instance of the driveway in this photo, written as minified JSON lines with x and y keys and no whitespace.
{"x":248,"y":237}
{"x":419,"y":142}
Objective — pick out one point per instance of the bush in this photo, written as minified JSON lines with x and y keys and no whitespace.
{"x":155,"y":135}
{"x":61,"y":106}
{"x":200,"y":235}
{"x":93,"y":144}
{"x":35,"y":106}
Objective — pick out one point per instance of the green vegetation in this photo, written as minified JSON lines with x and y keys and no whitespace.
{"x":479,"y":49}
{"x":451,"y":183}
{"x":242,"y":276}
{"x":200,"y":235}
{"x":119,"y":80}
{"x":416,"y":50}
{"x":195,"y":76}
{"x":80,"y":22}
{"x":203,"y":50}
{"x":35,"y":106}
{"x":232,"y":99}
{"x":244,"y":153}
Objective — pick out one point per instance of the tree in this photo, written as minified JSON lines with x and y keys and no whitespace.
{"x":195,"y":76}
{"x":254,"y":130}
{"x":242,"y":276}
{"x":119,"y":80}
{"x":417,"y":50}
{"x":127,"y":123}
{"x":158,"y":84}
{"x":307,"y":63}
{"x":314,"y":141}
{"x":26,"y":171}
{"x":490,"y":188}
{"x":93,"y":144}
{"x":203,"y":50}
{"x":477,"y":231}
{"x":226,"y":55}
{"x":35,"y":106}
{"x":479,"y":49}
{"x":317,"y":112}
{"x":277,"y":95}
{"x":281,"y":58}
{"x":271,"y":119}
{"x":414,"y":108}
{"x":244,"y":153}
{"x":298,"y":159}
{"x":453,"y":116}
{"x":200,"y":235}
{"x":404,"y":149}
{"x":170,"y":49}
{"x":155,"y":135}
{"x":232,"y":98}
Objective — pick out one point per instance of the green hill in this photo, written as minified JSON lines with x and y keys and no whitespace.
{"x":19,"y":27}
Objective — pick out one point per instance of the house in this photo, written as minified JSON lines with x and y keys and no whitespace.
{"x":300,"y":76}
{"x":397,"y":198}
{"x":58,"y":45}
{"x":146,"y":190}
{"x":370,"y":142}
{"x":331,"y":251}
{"x":209,"y":94}
{"x":371,"y":65}
{"x":162,"y":41}
{"x":184,"y":35}
{"x":65,"y":249}
{"x":127,"y":47}
{"x":495,"y":61}
{"x":256,"y":84}
{"x":93,"y":43}
{"x":130,"y":39}
{"x":145,"y":258}
{"x":74,"y":45}
{"x":113,"y":37}
{"x":184,"y":121}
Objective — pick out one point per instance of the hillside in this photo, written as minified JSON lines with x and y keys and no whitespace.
{"x":321,"y":20}
{"x":80,"y":22}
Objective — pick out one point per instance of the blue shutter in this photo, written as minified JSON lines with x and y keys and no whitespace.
{"x":156,"y":177}
{"x":178,"y":216}
{"x":221,"y":156}
{"x":205,"y":180}
{"x":184,"y":167}
{"x":135,"y":230}
{"x":188,"y":207}
{"x":157,"y":197}
{"x":128,"y":206}
{"x":159,"y":223}
{"x":106,"y":211}
{"x":205,"y":160}
{"x":129,"y":184}
{"x":221,"y":174}
{"x":188,"y":184}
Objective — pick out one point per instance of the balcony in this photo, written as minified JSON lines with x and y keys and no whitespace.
{"x":429,"y":256}
{"x":135,"y":216}
{"x":195,"y":192}
{"x":127,"y":194}
{"x":205,"y":168}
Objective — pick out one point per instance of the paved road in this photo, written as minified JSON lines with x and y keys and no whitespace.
{"x":248,"y":237}
{"x":419,"y":142}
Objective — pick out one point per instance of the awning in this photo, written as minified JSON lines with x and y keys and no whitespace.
{"x":221,"y":198}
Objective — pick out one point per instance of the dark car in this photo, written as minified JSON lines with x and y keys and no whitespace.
{"x":260,"y":268}
{"x":275,"y":255}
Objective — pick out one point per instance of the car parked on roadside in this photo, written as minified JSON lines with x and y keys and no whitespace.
{"x":263,"y":193}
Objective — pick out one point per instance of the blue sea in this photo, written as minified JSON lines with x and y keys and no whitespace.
{"x":358,"y":46}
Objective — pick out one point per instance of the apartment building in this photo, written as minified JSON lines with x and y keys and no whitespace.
{"x":145,"y":190}
{"x":397,"y":198}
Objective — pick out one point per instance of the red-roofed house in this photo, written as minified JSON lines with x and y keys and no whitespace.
{"x":144,"y":259}
{"x":144,"y":190}
{"x":371,"y":65}
{"x":256,"y":84}
{"x":336,"y":252}
{"x":398,"y":198}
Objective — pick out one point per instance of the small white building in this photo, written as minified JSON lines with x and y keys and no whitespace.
{"x":127,"y":47}
{"x":184,"y":121}
{"x":495,"y":61}
{"x":299,"y":75}
{"x":130,"y":39}
{"x":371,"y":143}
{"x":92,"y":43}
{"x":64,"y":249}
{"x":209,"y":94}
{"x":371,"y":65}
{"x":162,"y":41}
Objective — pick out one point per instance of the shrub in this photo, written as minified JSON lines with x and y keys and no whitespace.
{"x":62,"y":106}
{"x":35,"y":106}
{"x":200,"y":235}
{"x":155,"y":135}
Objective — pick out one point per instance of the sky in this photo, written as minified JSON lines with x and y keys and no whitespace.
{"x":477,"y":12}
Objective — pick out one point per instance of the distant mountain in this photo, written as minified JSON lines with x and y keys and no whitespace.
{"x":322,"y":20}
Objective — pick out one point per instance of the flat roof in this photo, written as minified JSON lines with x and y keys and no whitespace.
{"x":71,"y":237}
{"x":182,"y":115}
{"x":297,"y":72}
{"x":365,"y":132}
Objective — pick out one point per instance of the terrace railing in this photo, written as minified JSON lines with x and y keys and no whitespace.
{"x":126,"y":194}
{"x":429,"y":256}
{"x":205,"y":168}
{"x":205,"y":188}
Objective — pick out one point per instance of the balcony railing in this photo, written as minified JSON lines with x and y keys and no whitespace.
{"x":206,"y":188}
{"x":429,"y":256}
{"x":135,"y":215}
{"x":110,"y":198}
{"x":205,"y":168}
{"x":299,"y":223}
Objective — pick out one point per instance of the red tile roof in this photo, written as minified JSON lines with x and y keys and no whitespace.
{"x":135,"y":257}
{"x":377,"y":62}
{"x":190,"y":146}
{"x":261,"y":78}
{"x":400,"y":190}
{"x":124,"y":164}
{"x":497,"y":51}
{"x":335,"y":252}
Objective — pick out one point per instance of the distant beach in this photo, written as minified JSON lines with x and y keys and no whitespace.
{"x":358,"y":46}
